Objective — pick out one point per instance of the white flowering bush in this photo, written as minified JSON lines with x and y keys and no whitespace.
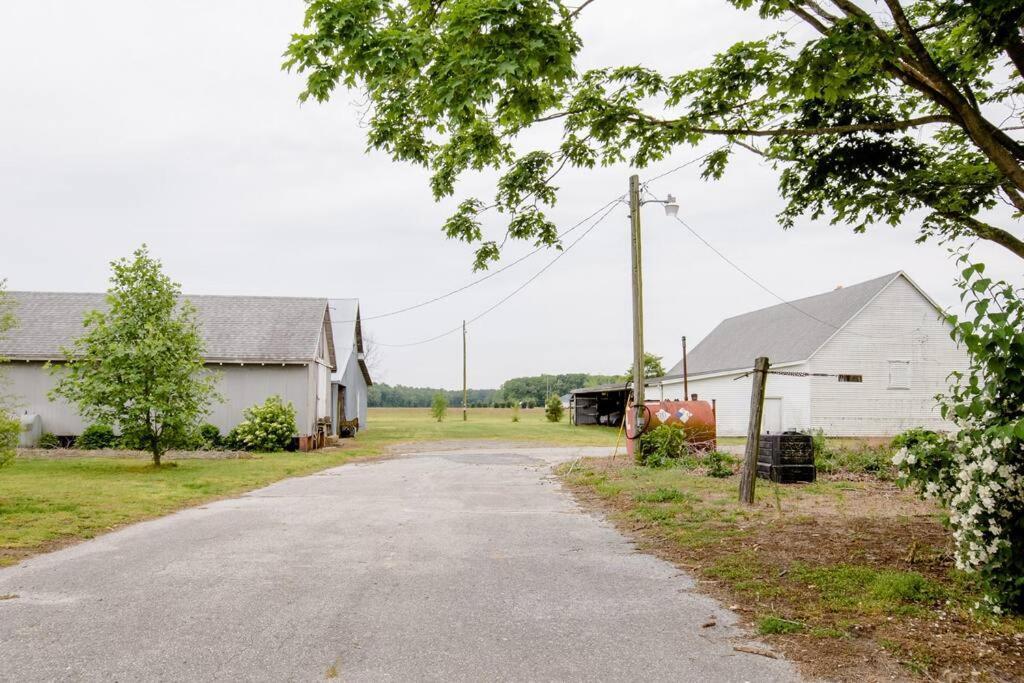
{"x":267,"y":427}
{"x":977,"y":474}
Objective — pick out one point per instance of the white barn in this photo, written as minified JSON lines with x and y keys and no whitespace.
{"x":351,"y":378}
{"x":883,"y":343}
{"x":258,"y":346}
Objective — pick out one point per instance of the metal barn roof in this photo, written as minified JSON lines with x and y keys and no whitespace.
{"x":788,"y":332}
{"x":235,"y":328}
{"x":348,"y":336}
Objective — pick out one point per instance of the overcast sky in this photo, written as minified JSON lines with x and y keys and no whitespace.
{"x":125,"y":122}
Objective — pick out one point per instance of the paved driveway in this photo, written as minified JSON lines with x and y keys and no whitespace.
{"x":465,"y":565}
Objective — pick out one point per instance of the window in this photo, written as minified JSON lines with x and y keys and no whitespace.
{"x":851,"y":378}
{"x":899,"y":374}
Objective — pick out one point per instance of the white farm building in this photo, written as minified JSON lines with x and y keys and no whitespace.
{"x":257,"y":346}
{"x":883,"y":345}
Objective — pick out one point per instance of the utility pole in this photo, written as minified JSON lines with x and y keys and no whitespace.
{"x":638,"y":303}
{"x":465,"y":391}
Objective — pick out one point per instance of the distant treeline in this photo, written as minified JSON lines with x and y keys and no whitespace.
{"x":527,"y":391}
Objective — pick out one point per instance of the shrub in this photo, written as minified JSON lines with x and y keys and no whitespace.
{"x":718,"y":464}
{"x":268,"y":427}
{"x":10,"y":428}
{"x":49,"y":441}
{"x":439,"y":406}
{"x":95,"y":437}
{"x":553,"y":410}
{"x":209,"y":436}
{"x":232,"y":442}
{"x":515,"y":412}
{"x":663,"y":446}
{"x":978,"y":473}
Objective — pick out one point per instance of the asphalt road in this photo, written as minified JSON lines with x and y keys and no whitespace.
{"x":468,"y":565}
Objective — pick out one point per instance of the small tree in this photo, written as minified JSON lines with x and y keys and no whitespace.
{"x":139,"y":365}
{"x":652,"y":366}
{"x":515,"y":411}
{"x":553,"y":409}
{"x":439,"y":407}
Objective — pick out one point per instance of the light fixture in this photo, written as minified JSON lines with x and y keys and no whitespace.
{"x":671,"y":207}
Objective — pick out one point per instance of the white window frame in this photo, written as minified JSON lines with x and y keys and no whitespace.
{"x":893,"y":383}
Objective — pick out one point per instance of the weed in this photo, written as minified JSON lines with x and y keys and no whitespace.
{"x":660,"y":496}
{"x":778,"y":625}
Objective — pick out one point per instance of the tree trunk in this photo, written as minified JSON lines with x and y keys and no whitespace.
{"x":154,"y":448}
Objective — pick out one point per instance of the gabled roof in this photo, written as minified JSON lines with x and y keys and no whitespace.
{"x":786,"y":333}
{"x":348,"y":336}
{"x":256,"y":329}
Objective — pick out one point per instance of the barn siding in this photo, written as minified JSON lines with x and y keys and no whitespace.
{"x":899,"y":324}
{"x":732,"y":399}
{"x":240,"y":386}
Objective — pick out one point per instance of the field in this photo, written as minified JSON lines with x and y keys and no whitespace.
{"x":849,"y":576}
{"x":51,"y":498}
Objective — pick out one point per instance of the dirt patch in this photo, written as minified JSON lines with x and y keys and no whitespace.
{"x":816,"y":573}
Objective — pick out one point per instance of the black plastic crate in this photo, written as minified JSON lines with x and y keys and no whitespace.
{"x":787,"y":448}
{"x":787,"y":474}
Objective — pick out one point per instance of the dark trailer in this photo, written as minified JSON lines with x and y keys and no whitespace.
{"x":602,"y":405}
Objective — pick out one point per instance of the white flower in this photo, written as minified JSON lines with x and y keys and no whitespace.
{"x":931,"y":489}
{"x":911,"y":459}
{"x":989,"y":465}
{"x":899,"y":457}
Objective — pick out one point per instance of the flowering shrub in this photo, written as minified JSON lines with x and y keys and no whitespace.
{"x":977,"y":474}
{"x":268,"y":427}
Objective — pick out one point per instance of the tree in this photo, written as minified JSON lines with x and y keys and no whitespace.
{"x":439,"y":407}
{"x":139,"y":365}
{"x":9,"y":425}
{"x":553,"y":409}
{"x":652,"y":367}
{"x":907,"y":106}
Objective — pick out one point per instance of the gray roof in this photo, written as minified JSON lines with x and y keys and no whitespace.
{"x":235,"y":328}
{"x":348,"y":335}
{"x":784,"y":333}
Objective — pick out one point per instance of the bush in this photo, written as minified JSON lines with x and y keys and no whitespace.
{"x":95,"y":437}
{"x":49,"y":441}
{"x":977,"y":473}
{"x":663,"y":446}
{"x":268,"y":427}
{"x":232,"y":442}
{"x":10,"y":428}
{"x":209,"y":436}
{"x":718,"y":464}
{"x":553,"y":410}
{"x":439,"y":406}
{"x":515,"y":412}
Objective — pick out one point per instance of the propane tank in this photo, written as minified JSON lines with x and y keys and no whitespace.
{"x":31,"y":430}
{"x":697,"y":418}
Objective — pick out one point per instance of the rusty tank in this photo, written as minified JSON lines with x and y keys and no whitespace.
{"x":695,"y":418}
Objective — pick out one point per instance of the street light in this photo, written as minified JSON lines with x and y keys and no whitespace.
{"x":671,"y":210}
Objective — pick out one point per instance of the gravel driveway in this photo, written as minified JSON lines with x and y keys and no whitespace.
{"x":460,"y":565}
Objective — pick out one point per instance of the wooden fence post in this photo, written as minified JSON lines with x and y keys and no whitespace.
{"x":748,"y":475}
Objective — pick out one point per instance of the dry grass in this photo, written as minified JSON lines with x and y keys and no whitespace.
{"x":851,"y":579}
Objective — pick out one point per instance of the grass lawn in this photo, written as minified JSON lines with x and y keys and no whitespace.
{"x":47,"y":500}
{"x":848,"y":576}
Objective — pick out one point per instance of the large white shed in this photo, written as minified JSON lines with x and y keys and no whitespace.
{"x":883,"y":346}
{"x":258,"y":346}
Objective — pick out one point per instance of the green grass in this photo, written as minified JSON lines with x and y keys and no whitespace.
{"x":44,"y":502}
{"x":390,"y":425}
{"x":776,"y":625}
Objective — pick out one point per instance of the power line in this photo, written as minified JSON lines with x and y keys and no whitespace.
{"x":765,"y":287}
{"x":518,"y":289}
{"x":485,"y":277}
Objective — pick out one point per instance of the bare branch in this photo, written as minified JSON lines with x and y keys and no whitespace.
{"x":576,"y":12}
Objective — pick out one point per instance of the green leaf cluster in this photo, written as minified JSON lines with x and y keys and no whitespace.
{"x":879,"y":115}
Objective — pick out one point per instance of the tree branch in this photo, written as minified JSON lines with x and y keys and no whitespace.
{"x":804,"y":132}
{"x":576,"y":12}
{"x":988,"y":232}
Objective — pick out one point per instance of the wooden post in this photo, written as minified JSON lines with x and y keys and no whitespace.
{"x":465,"y":392}
{"x":748,"y":475}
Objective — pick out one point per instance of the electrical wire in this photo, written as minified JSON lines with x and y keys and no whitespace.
{"x":766,"y":288}
{"x":485,"y":277}
{"x":518,"y":289}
